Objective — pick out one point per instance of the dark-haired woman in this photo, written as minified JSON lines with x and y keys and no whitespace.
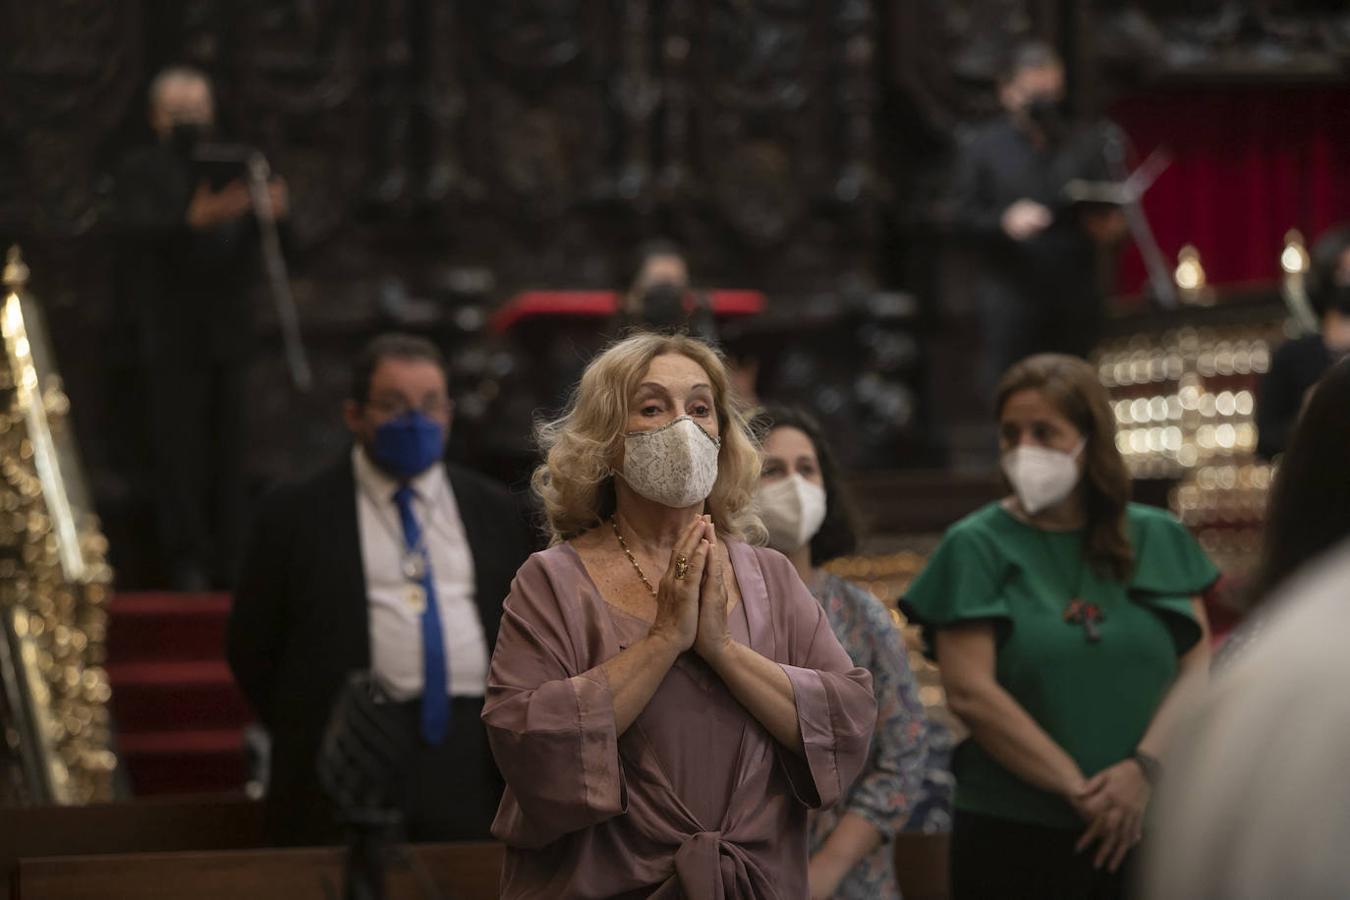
{"x":804,"y":509}
{"x":1063,"y":618}
{"x":1309,"y":507}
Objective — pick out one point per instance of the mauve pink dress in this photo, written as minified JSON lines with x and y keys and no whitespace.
{"x":696,"y":799}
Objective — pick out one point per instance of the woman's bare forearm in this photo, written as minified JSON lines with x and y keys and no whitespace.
{"x":1192,"y":674}
{"x":1009,"y":734}
{"x":852,"y":839}
{"x":635,"y":674}
{"x":762,"y":687}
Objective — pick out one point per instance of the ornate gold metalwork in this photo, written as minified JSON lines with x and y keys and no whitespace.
{"x":54,"y":578}
{"x":1185,"y":409}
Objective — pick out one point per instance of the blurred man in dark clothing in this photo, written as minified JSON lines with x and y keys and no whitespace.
{"x":1038,"y":283}
{"x":188,"y":258}
{"x":1299,"y":364}
{"x":660,"y":296}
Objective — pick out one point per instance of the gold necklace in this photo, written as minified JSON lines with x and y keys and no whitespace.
{"x":614,"y":523}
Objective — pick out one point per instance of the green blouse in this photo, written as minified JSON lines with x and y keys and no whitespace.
{"x":1094,"y":698}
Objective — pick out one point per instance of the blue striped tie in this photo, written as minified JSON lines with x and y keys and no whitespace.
{"x":435,"y":676}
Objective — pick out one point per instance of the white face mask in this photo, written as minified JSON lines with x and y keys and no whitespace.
{"x":1041,"y":477}
{"x":792,"y":509}
{"x":674,"y":465}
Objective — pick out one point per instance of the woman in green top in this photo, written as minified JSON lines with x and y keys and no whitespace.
{"x":1061,"y":617}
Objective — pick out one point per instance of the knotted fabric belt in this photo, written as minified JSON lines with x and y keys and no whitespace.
{"x":709,"y":868}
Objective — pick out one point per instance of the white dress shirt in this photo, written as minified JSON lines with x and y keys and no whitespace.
{"x":395,"y":623}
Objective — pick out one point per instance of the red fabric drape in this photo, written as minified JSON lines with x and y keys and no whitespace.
{"x":1249,"y":163}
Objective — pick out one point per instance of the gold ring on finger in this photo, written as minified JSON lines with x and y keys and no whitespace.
{"x":681,"y":567}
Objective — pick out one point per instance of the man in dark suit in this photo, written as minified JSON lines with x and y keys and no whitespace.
{"x":389,"y":560}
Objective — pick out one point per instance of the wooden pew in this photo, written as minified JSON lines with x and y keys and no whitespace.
{"x":103,"y":853}
{"x":459,"y":872}
{"x":213,"y":822}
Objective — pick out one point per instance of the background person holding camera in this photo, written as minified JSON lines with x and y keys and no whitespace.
{"x":188,"y":259}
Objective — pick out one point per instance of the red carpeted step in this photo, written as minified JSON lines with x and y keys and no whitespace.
{"x":179,"y":715}
{"x":184,"y":762}
{"x":168,"y":743}
{"x":167,"y":626}
{"x":151,"y":696}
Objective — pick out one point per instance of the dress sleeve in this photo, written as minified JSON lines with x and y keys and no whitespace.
{"x":960,"y":583}
{"x":835,"y":707}
{"x":886,"y":792}
{"x":1170,"y":570}
{"x":551,"y":727}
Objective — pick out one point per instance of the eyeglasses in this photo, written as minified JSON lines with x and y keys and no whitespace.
{"x":393,"y":408}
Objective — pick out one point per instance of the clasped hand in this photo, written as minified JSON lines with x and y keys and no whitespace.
{"x":1025,"y":219}
{"x":691,"y":611}
{"x":1113,"y":803}
{"x":209,"y":208}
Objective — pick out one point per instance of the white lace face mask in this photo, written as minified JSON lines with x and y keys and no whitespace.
{"x":792,"y":509}
{"x":1041,"y":477}
{"x":674,"y":465}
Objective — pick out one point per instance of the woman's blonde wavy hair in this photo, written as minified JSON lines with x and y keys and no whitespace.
{"x":576,"y":479}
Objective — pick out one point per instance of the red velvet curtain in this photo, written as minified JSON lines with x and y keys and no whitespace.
{"x":1249,"y":163}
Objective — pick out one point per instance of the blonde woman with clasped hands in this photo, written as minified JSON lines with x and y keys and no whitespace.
{"x":665,"y":701}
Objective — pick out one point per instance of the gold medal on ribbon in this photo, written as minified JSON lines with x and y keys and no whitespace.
{"x":417,"y":598}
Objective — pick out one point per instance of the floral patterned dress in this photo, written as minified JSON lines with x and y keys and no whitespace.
{"x":889,"y":788}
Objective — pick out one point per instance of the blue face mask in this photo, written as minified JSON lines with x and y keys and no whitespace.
{"x":409,"y":445}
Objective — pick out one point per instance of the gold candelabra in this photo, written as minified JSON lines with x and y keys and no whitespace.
{"x":54,"y":578}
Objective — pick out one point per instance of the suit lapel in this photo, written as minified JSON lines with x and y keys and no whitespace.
{"x":478,"y":532}
{"x":339,"y":528}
